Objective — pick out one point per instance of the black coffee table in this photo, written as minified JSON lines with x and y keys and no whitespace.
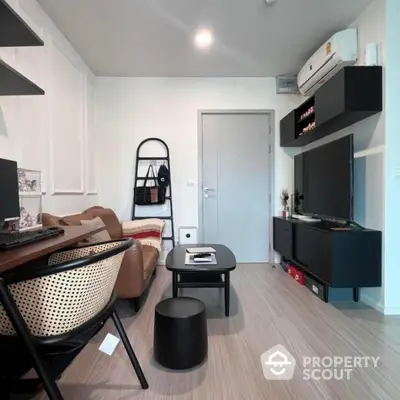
{"x":201,"y":276}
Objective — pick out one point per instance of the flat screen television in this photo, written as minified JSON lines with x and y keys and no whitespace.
{"x":324,"y":180}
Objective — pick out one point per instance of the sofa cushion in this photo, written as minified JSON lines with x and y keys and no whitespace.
{"x":102,"y":236}
{"x":110,"y":219}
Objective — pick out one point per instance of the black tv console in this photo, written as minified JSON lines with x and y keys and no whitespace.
{"x":336,"y":258}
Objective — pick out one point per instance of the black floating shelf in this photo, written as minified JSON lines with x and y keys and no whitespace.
{"x":12,"y":83}
{"x":14,"y":31}
{"x":353,"y":94}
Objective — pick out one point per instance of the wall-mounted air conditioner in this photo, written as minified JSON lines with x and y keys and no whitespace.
{"x":339,"y":51}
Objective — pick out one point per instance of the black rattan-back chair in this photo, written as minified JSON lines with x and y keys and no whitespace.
{"x":55,"y":309}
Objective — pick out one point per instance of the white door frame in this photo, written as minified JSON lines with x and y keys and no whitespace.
{"x":271,"y":176}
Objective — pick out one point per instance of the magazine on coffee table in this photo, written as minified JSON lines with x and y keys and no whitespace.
{"x":193,"y":250}
{"x":190,"y":260}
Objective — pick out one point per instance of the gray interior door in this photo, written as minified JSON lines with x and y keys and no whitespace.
{"x":236,"y":183}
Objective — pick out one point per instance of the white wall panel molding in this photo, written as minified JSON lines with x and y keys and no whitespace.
{"x":38,"y":131}
{"x":67,"y":97}
{"x":90,"y":142}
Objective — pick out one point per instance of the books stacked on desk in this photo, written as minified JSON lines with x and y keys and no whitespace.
{"x":200,"y":256}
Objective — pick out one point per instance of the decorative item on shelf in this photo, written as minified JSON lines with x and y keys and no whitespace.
{"x":29,"y":181}
{"x":284,"y":202}
{"x":309,"y":112}
{"x":30,"y":212}
{"x":30,"y":199}
{"x":309,"y":127}
{"x":27,"y":220}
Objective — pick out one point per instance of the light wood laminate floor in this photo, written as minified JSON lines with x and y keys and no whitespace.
{"x":267,"y":308}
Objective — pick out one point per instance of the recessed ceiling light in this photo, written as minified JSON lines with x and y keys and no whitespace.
{"x":203,"y":38}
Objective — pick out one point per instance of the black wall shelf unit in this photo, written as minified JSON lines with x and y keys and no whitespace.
{"x":352,"y":95}
{"x":14,"y":32}
{"x":12,"y":83}
{"x":336,"y":258}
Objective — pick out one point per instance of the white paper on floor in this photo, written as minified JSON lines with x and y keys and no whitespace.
{"x":109,"y":344}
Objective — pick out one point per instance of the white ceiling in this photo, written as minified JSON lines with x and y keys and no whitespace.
{"x":154,"y":37}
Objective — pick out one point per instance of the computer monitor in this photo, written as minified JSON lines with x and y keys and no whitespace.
{"x":9,"y":196}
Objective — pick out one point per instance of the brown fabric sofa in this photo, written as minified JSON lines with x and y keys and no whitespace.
{"x":139,"y":263}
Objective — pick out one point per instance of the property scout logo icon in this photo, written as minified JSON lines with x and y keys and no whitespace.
{"x":278,"y":364}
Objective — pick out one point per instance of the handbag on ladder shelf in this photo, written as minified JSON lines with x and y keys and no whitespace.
{"x":150,"y":195}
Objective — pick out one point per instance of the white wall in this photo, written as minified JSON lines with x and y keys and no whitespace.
{"x":52,"y":133}
{"x":392,"y":160}
{"x":132,"y":109}
{"x":370,"y":140}
{"x":369,"y":144}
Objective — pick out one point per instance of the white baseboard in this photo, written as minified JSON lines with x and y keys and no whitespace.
{"x":395,"y":310}
{"x":386,"y":310}
{"x":372,"y":303}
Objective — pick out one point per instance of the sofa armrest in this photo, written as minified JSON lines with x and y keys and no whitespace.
{"x":139,"y":251}
{"x":131,"y":280}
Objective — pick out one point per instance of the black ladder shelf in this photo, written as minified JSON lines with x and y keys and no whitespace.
{"x":168,"y":198}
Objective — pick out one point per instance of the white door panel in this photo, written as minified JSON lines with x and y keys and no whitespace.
{"x":236,"y":187}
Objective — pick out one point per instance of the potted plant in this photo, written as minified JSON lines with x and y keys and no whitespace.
{"x":284,"y":202}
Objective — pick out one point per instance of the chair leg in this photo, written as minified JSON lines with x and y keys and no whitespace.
{"x":22,"y":330}
{"x":136,"y":304}
{"x":129,"y":350}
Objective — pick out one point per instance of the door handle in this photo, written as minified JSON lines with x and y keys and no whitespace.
{"x":206,"y":189}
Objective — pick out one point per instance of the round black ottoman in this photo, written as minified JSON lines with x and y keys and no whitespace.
{"x":180,"y":333}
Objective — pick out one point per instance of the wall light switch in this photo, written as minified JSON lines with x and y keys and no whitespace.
{"x":190,"y":182}
{"x":397,"y":172}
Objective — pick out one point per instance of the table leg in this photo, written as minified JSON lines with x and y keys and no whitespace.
{"x":174,"y":284}
{"x":356,"y":294}
{"x":227,"y":293}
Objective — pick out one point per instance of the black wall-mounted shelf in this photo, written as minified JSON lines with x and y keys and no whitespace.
{"x":352,"y":95}
{"x":12,"y":83}
{"x":14,"y":31}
